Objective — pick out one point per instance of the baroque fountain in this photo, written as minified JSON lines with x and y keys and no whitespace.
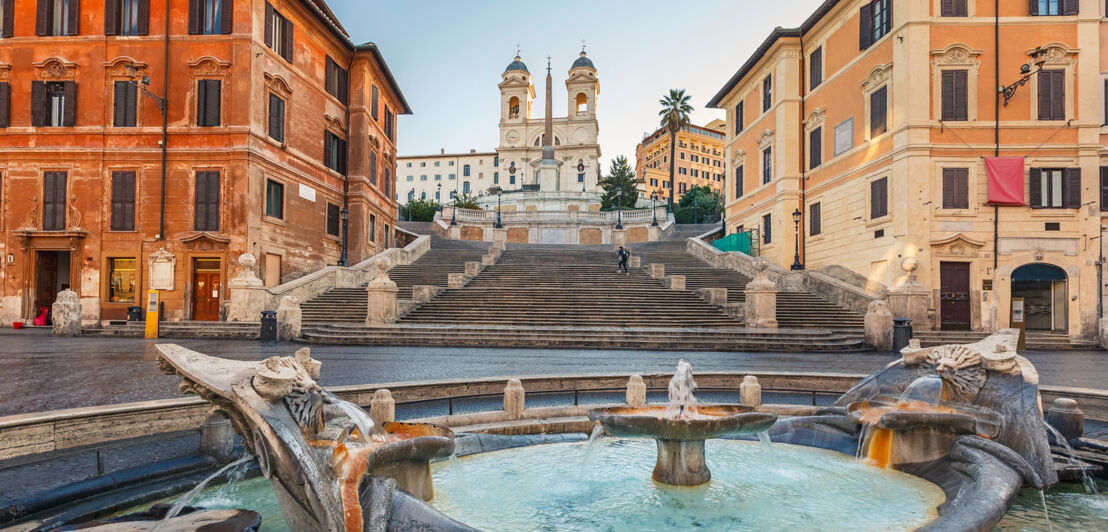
{"x":946,"y":438}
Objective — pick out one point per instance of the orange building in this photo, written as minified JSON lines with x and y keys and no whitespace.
{"x":276,"y":125}
{"x":873,"y":121}
{"x":699,"y":157}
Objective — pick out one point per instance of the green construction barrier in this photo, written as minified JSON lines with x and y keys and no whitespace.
{"x":735,"y":242}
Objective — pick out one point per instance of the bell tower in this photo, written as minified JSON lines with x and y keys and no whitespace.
{"x":517,"y":93}
{"x":582,"y":88}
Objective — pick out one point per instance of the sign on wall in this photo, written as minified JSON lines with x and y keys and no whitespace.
{"x":307,"y":192}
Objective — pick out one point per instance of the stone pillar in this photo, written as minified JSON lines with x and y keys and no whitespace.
{"x":761,"y":299}
{"x":422,"y":293}
{"x":619,"y":238}
{"x":472,"y":268}
{"x":750,"y":392}
{"x":675,"y":282}
{"x":289,"y":319}
{"x":714,"y":296}
{"x":488,"y":260}
{"x":381,"y":296}
{"x":66,"y":313}
{"x":879,"y":325}
{"x":636,"y":392}
{"x":634,"y":262}
{"x":248,"y":293}
{"x":513,"y":399}
{"x":911,"y":298}
{"x":455,"y":280}
{"x":217,"y":438}
{"x":656,"y":270}
{"x":382,"y":408}
{"x":499,"y":237}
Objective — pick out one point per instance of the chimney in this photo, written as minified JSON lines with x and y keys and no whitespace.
{"x":442,"y":151}
{"x":473,"y":150}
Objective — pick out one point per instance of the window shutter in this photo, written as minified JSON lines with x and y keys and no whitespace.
{"x":74,"y":16}
{"x":42,"y":18}
{"x":5,"y":103}
{"x":9,"y":13}
{"x":877,"y":112}
{"x":111,"y":17}
{"x":208,"y":104}
{"x":949,"y":186}
{"x":961,"y":188}
{"x":48,"y":201}
{"x":226,"y":16}
{"x":117,"y":201}
{"x":1033,"y":7}
{"x":373,"y":168}
{"x":69,"y":114}
{"x":143,"y":17}
{"x":287,"y":40}
{"x":200,"y":203}
{"x":865,"y":27}
{"x":1071,"y":181}
{"x":815,"y":147}
{"x":878,"y":198}
{"x":38,"y":103}
{"x":1035,"y":186}
{"x":961,"y":95}
{"x":276,"y":118}
{"x":269,"y":24}
{"x":329,"y":75}
{"x":328,"y":151}
{"x":1069,"y":7}
{"x":53,"y":201}
{"x":814,"y":220}
{"x":119,"y":104}
{"x":1104,"y":188}
{"x":213,"y":201}
{"x":815,"y":71}
{"x":195,"y":16}
{"x":1106,"y":102}
{"x":1058,"y":95}
{"x":947,"y":8}
{"x":130,"y":108}
{"x":129,"y":201}
{"x":1045,"y":86}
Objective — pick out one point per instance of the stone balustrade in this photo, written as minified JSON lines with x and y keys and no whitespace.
{"x":558,"y":217}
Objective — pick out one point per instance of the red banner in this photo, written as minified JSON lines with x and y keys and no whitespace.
{"x":1005,"y":180}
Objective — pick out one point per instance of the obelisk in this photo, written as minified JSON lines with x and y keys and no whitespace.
{"x":548,"y":167}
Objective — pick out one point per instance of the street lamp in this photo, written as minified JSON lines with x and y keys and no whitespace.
{"x":160,"y":102}
{"x":438,"y":195}
{"x":499,"y":193}
{"x":619,"y":208}
{"x":345,"y":216}
{"x":1038,"y":56}
{"x":411,"y":197}
{"x":654,"y":207}
{"x":454,"y":211}
{"x":796,"y":256}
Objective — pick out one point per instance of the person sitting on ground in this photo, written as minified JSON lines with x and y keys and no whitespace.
{"x":623,"y":255}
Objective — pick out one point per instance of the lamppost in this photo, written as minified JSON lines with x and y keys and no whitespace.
{"x":161,"y":104}
{"x":438,"y":196}
{"x":345,"y":216}
{"x":654,"y":207}
{"x":454,"y":211}
{"x":499,"y":193}
{"x":796,"y":255}
{"x":1038,"y":56}
{"x":619,"y":208}
{"x":411,"y":196}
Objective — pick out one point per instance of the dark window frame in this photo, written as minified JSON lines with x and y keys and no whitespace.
{"x":274,"y":199}
{"x":1051,"y":96}
{"x":123,"y":200}
{"x":879,"y":198}
{"x":815,"y":219}
{"x":954,"y":95}
{"x":54,"y":194}
{"x":955,"y":188}
{"x":953,"y":8}
{"x":7,"y":18}
{"x":209,"y":102}
{"x":70,"y":23}
{"x":879,"y":112}
{"x":333,"y":220}
{"x":740,"y":110}
{"x":334,"y":152}
{"x":767,"y":93}
{"x":206,"y":194}
{"x":874,"y":23}
{"x":767,"y":229}
{"x":1069,"y":185}
{"x":815,"y":148}
{"x":276,"y":118}
{"x":815,"y":68}
{"x":203,"y":19}
{"x":124,"y":103}
{"x":767,"y":165}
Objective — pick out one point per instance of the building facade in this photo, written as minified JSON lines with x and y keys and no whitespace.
{"x":278,"y":132}
{"x":874,"y":122}
{"x":699,"y":160}
{"x":441,"y":177}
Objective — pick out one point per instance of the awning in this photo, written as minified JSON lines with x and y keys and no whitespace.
{"x":1005,"y":180}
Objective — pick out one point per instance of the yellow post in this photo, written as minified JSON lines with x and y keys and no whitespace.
{"x":152,"y":314}
{"x":1018,"y":322}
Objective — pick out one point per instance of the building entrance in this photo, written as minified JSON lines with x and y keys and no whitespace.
{"x":206,"y":287}
{"x":51,"y":277}
{"x":954,"y":312}
{"x":1044,"y":292}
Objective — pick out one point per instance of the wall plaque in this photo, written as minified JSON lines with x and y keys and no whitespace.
{"x":163,"y":265}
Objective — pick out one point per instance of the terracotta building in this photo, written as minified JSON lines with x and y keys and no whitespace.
{"x":876,"y":121}
{"x":699,"y":156}
{"x":275,"y":125}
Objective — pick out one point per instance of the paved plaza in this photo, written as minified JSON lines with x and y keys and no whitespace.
{"x":45,"y":373}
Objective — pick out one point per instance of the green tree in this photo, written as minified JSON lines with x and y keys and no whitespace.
{"x":620,"y":176}
{"x":675,"y":117}
{"x":419,"y":210}
{"x":698,"y":204}
{"x":467,"y":201}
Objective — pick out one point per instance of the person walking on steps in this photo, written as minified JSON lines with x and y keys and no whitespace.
{"x":623,"y":255}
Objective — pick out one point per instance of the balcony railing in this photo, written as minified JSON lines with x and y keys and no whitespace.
{"x":582,"y":217}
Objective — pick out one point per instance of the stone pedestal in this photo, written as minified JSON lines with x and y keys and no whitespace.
{"x":714,"y":296}
{"x":514,"y":399}
{"x":1102,"y":333}
{"x":750,"y":392}
{"x":289,"y":319}
{"x":455,"y":280}
{"x":681,"y":463}
{"x":66,"y":313}
{"x":656,"y":270}
{"x":472,"y":268}
{"x":911,"y":298}
{"x":675,"y":282}
{"x":634,"y":262}
{"x":422,"y":293}
{"x":619,"y":238}
{"x":879,"y":326}
{"x":381,"y":296}
{"x":548,"y":175}
{"x":499,"y":236}
{"x":488,"y":260}
{"x":636,"y":392}
{"x":248,"y":293}
{"x":761,"y":299}
{"x":217,"y":438}
{"x":382,"y":407}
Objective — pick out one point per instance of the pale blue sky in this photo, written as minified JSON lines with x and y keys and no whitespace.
{"x":447,"y":56}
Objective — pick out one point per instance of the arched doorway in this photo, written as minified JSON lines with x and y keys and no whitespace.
{"x":1045,"y":296}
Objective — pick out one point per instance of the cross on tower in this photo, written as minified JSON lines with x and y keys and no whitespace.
{"x":517,"y":48}
{"x":582,"y":45}
{"x":548,"y":64}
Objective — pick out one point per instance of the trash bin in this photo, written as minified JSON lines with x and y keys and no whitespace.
{"x":134,"y":313}
{"x":269,"y":326}
{"x":902,"y":332}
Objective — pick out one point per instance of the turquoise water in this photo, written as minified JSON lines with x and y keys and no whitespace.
{"x":1070,"y":510}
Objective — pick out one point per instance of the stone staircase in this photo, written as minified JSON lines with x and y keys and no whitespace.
{"x":794,"y":310}
{"x":1046,"y":341}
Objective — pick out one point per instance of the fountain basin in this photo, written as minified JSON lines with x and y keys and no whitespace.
{"x":407,"y":455}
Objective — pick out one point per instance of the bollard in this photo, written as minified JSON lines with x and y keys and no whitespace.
{"x":217,"y":438}
{"x":1066,"y":418}
{"x":269,"y":326}
{"x":514,"y":399}
{"x":750,"y":392}
{"x":382,"y":408}
{"x":636,"y":392}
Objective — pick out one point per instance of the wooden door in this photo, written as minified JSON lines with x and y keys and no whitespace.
{"x":954,"y":296}
{"x":46,"y":279}
{"x":205,"y":290}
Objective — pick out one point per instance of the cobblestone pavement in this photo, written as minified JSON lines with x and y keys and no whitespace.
{"x":39,"y":372}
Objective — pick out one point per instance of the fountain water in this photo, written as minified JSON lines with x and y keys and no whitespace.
{"x":186,"y":498}
{"x":681,"y":386}
{"x":1086,"y":479}
{"x":590,"y":450}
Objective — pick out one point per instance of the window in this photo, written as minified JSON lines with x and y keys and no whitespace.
{"x":423,"y":163}
{"x":208,"y":102}
{"x":390,"y":127}
{"x":1052,"y":95}
{"x":580,"y":178}
{"x":334,"y":152}
{"x":210,"y":17}
{"x":374,"y":99}
{"x":411,"y":178}
{"x":1104,"y":188}
{"x":767,"y":229}
{"x":373,"y":167}
{"x":438,"y":177}
{"x":451,"y":177}
{"x":955,"y":188}
{"x":873,"y":23}
{"x":1055,"y":188}
{"x":53,"y":103}
{"x":388,"y":181}
{"x":274,"y":199}
{"x":127,"y":17}
{"x":682,"y":187}
{"x":465,"y":171}
{"x":496,"y":162}
{"x":815,"y":222}
{"x":336,"y":80}
{"x":56,"y":17}
{"x":879,"y":198}
{"x":276,"y":118}
{"x":207,"y":201}
{"x":1054,"y":7}
{"x":278,"y":32}
{"x":423,"y":178}
{"x":373,"y":225}
{"x":844,"y":136}
{"x":815,"y":68}
{"x":123,"y":201}
{"x":954,"y":95}
{"x":122,"y":280}
{"x":767,"y":165}
{"x":126,"y":103}
{"x":954,"y":8}
{"x":5,"y":101}
{"x":53,"y":201}
{"x":7,"y":15}
{"x":333,"y":219}
{"x":738,"y":181}
{"x":767,"y":93}
{"x":815,"y":147}
{"x":465,"y":187}
{"x":496,"y":178}
{"x":878,"y":112}
{"x":682,"y":155}
{"x":682,"y":171}
{"x":511,"y":179}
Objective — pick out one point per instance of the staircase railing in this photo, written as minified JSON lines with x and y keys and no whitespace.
{"x":583,"y":217}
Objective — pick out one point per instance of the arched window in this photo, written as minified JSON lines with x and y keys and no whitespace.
{"x":582,"y":103}
{"x":513,"y":107}
{"x":465,"y":171}
{"x":1042,"y":287}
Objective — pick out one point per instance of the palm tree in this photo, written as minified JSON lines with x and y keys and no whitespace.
{"x":675,"y":117}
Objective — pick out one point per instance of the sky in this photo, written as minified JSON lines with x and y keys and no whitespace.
{"x":447,"y":57}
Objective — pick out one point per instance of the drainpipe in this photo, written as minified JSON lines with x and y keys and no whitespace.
{"x":996,"y":124}
{"x":803,"y":246}
{"x":165,"y":120}
{"x":343,"y":260}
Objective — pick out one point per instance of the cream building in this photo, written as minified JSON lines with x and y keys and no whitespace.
{"x":439,"y":177}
